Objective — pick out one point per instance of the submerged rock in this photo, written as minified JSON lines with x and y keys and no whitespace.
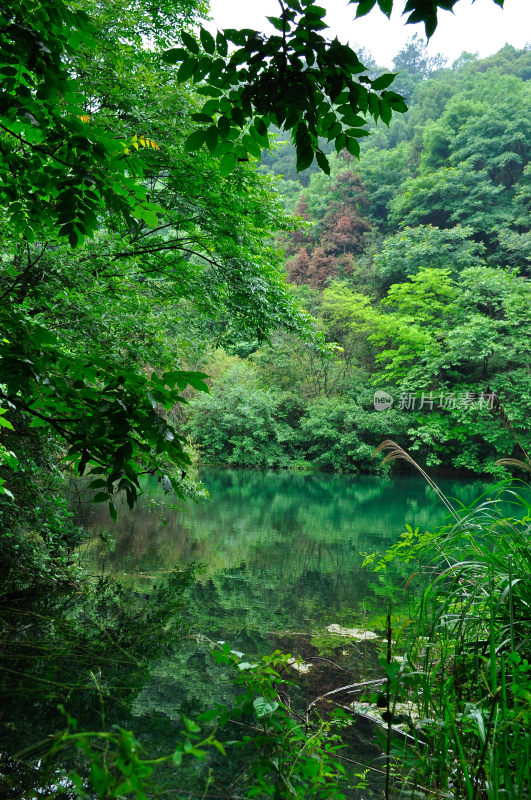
{"x":358,"y":634}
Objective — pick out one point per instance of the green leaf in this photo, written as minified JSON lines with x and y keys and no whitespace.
{"x":374,"y":107}
{"x":211,"y":138}
{"x":37,"y":423}
{"x":207,"y":40}
{"x":357,"y":133}
{"x":304,"y":159}
{"x":42,"y":337}
{"x":315,"y":11}
{"x":100,"y":497}
{"x":97,"y":484}
{"x":383,"y":81}
{"x":237,"y":116}
{"x":223,"y":127}
{"x":386,"y":6}
{"x":260,"y":126}
{"x":187,"y":68}
{"x":227,"y":165}
{"x":195,"y":379}
{"x":323,"y":162}
{"x":341,"y":141}
{"x":264,"y":707}
{"x":221,"y":44}
{"x":251,"y":146}
{"x":201,"y":118}
{"x":395,"y":100}
{"x":276,"y":22}
{"x":150,"y":217}
{"x":385,"y":111}
{"x":11,"y":460}
{"x":364,"y":6}
{"x":235,"y":36}
{"x":100,"y":779}
{"x":203,"y":68}
{"x":210,"y":107}
{"x":190,"y":43}
{"x":218,"y":745}
{"x":206,"y":716}
{"x":194,"y":141}
{"x":353,"y":147}
{"x":112,"y":511}
{"x":174,"y":55}
{"x":191,"y":726}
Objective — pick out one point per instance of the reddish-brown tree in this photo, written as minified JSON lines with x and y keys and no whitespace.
{"x":344,"y":225}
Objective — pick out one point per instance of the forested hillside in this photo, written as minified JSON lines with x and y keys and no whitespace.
{"x":414,"y":262}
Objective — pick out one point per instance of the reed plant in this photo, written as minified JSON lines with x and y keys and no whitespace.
{"x":467,"y":654}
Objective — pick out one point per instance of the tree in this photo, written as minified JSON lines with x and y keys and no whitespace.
{"x":295,"y":80}
{"x":293,"y":241}
{"x":80,"y":157}
{"x":344,"y":224}
{"x":403,"y":254}
{"x":479,"y":147}
{"x":241,"y":423}
{"x":413,"y":58}
{"x":89,"y":342}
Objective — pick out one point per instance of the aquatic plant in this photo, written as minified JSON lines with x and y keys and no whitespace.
{"x":467,"y":656}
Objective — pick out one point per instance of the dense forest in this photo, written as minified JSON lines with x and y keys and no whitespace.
{"x":258,"y":251}
{"x":414,"y":263}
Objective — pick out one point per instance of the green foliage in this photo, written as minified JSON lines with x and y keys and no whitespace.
{"x":287,"y":757}
{"x":468,"y":652}
{"x":341,"y":434}
{"x":86,"y":645}
{"x":241,"y":423}
{"x":418,"y":10}
{"x":58,"y":167}
{"x":471,"y":172}
{"x":417,"y":308}
{"x":114,"y":762}
{"x":295,"y":80}
{"x":94,"y":341}
{"x":403,"y":254}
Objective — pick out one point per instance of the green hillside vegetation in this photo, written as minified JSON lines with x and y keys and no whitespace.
{"x":414,"y":262}
{"x":146,"y":325}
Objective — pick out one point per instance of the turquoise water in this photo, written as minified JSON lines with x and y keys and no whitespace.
{"x":280,"y":551}
{"x":281,"y":557}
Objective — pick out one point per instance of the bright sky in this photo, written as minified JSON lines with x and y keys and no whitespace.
{"x":477,"y":27}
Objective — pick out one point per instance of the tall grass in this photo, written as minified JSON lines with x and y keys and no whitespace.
{"x":467,"y":656}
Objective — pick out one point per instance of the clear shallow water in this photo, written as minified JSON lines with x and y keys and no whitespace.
{"x":282,"y":560}
{"x":280,"y":551}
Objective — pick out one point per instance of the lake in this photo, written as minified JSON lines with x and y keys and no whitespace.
{"x":281,"y":557}
{"x":279,"y":560}
{"x":280,"y":551}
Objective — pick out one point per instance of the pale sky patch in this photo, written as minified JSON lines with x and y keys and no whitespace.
{"x":480,"y":27}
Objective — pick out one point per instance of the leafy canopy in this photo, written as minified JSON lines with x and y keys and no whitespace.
{"x":78,"y":159}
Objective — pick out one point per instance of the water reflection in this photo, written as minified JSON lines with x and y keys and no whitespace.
{"x":282,"y":561}
{"x":280,"y":550}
